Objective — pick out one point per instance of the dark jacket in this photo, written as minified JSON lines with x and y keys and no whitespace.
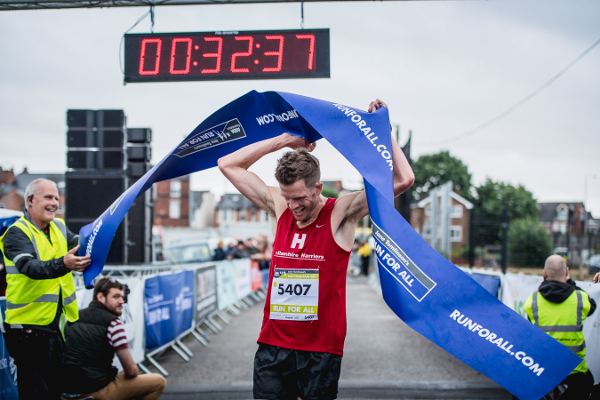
{"x":219,"y":254}
{"x":557,"y":292}
{"x":16,"y":242}
{"x":88,"y":360}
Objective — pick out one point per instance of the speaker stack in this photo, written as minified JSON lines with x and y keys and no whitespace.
{"x":140,"y":214}
{"x":104,"y":158}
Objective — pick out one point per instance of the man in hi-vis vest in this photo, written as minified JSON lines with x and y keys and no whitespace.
{"x":559,"y":308}
{"x":39,"y":255}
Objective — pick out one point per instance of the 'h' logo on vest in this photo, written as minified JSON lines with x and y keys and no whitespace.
{"x":298,"y":240}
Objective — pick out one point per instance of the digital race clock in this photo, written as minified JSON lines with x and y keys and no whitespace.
{"x":198,"y":56}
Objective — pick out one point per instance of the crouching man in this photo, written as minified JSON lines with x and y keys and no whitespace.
{"x":91,"y":345}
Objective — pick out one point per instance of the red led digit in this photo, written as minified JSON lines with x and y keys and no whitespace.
{"x":311,"y":50}
{"x":174,"y":71}
{"x":278,"y":53}
{"x":143,"y":56}
{"x":216,"y":55}
{"x":250,"y":40}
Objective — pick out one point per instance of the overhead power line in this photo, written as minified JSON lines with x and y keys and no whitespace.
{"x":519,"y":104}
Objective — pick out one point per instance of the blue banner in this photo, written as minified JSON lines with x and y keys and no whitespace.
{"x":169,"y":307}
{"x":8,"y":369}
{"x":488,"y":282}
{"x":424,"y":289}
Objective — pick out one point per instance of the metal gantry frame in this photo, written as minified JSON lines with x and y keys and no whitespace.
{"x":6,"y":5}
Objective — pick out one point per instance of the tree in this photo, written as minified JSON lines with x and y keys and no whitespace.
{"x":329,"y":192}
{"x":528,"y":243}
{"x":434,"y":170}
{"x":492,"y":198}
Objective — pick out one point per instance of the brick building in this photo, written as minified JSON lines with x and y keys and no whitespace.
{"x":172,"y":202}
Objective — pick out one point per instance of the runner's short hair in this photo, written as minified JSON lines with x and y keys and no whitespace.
{"x":296,"y":165}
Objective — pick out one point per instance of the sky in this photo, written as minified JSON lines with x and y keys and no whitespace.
{"x":443,"y":67}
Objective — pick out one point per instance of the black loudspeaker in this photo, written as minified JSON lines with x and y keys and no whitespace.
{"x":99,"y":119}
{"x":95,"y":159}
{"x":137,"y":169}
{"x":81,"y":119}
{"x":87,"y":196}
{"x":139,"y":135}
{"x":110,"y":119}
{"x":139,"y":152}
{"x":96,"y":138}
{"x":140,"y":229}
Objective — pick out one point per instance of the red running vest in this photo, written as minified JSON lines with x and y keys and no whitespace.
{"x":312,"y":247}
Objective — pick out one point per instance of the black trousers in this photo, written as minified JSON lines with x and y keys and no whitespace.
{"x":579,"y":386}
{"x":39,"y":359}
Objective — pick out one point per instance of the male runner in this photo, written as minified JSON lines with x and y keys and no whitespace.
{"x":304,"y":326}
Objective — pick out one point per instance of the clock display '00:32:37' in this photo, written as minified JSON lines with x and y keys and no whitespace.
{"x":227,"y":55}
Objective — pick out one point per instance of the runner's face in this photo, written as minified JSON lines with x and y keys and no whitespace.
{"x":302,"y":201}
{"x":113,"y":301}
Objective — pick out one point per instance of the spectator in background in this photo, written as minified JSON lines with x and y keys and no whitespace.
{"x":91,"y":346}
{"x":250,"y":247}
{"x":219,"y":252}
{"x":240,"y":251}
{"x":229,"y":251}
{"x":364,"y":251}
{"x":263,"y":256}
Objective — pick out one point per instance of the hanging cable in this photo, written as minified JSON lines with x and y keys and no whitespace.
{"x":151,"y":12}
{"x":519,"y":104}
{"x":302,"y":15}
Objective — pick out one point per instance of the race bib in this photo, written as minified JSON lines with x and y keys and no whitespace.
{"x":295,"y":294}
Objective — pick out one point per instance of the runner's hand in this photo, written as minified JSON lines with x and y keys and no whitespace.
{"x":297,"y":142}
{"x":374,"y":105}
{"x":76,"y":263}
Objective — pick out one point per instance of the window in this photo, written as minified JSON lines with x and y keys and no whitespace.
{"x":455,"y":233}
{"x":559,"y":227}
{"x":428,"y":209}
{"x":175,"y":189}
{"x":174,"y":209}
{"x":243,"y":215}
{"x":562,"y":212}
{"x":457,"y":211}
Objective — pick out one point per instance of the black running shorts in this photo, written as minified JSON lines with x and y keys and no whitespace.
{"x":285,"y":374}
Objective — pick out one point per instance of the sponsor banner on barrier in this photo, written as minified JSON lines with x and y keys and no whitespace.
{"x":518,"y":287}
{"x":255,"y":275}
{"x":243,"y":283}
{"x":169,"y":307}
{"x":8,"y":369}
{"x":226,"y":284}
{"x":132,"y":316}
{"x":206,"y":292}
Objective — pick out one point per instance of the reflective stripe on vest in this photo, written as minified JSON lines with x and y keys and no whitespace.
{"x":45,"y":298}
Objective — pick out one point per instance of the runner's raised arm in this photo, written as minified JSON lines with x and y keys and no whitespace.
{"x":235,"y":168}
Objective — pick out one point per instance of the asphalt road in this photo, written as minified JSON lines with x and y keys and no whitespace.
{"x":383,"y":358}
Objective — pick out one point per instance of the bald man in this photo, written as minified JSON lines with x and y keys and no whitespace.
{"x":559,"y":308}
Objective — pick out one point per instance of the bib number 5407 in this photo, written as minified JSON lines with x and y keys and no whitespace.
{"x":298,"y":290}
